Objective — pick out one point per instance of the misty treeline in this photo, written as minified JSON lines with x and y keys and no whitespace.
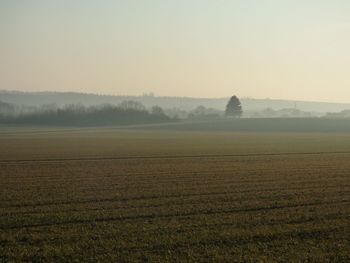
{"x":181,"y":105}
{"x":342,"y":114}
{"x":125,"y":113}
{"x":134,"y":112}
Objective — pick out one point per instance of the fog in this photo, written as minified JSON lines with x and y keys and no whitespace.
{"x":291,"y":50}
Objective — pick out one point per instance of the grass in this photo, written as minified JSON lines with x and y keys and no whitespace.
{"x":161,"y":196}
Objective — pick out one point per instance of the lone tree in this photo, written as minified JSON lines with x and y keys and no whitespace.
{"x":234,"y":108}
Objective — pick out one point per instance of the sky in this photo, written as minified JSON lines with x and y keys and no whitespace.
{"x":285,"y":49}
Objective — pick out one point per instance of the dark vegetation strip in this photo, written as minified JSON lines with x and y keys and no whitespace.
{"x":211,"y":173}
{"x":188,"y":228}
{"x":148,"y":179}
{"x":221,"y":198}
{"x":155,"y":197}
{"x":147,"y":206}
{"x":213,"y":182}
{"x":318,"y":234}
{"x":172,"y":215}
{"x":280,"y":222}
{"x":169,"y":157}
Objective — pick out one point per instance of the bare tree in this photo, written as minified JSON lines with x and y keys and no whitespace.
{"x":132,"y":105}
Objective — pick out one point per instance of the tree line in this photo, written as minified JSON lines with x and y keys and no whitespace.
{"x":126,"y":113}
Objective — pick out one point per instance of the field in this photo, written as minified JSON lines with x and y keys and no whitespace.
{"x":118,"y":195}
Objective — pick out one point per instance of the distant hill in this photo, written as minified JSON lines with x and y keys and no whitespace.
{"x":184,"y":103}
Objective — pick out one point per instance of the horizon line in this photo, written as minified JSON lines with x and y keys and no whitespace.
{"x":152,"y":94}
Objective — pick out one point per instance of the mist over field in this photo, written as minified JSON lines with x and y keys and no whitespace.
{"x":174,"y":131}
{"x":150,"y":99}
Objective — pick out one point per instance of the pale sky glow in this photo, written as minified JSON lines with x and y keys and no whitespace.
{"x":288,"y":49}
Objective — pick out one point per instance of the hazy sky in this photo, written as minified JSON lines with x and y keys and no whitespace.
{"x":292,"y":49}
